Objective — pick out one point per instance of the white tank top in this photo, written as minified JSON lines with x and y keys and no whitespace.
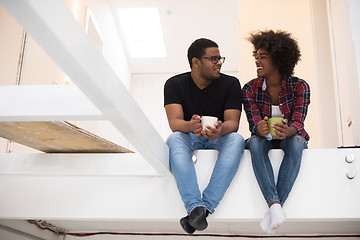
{"x":275,"y":111}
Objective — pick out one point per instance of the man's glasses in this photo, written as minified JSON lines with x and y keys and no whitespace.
{"x":215,"y":59}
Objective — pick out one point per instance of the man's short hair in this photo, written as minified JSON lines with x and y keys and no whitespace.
{"x":197,"y":48}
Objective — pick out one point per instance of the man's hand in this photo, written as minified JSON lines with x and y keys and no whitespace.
{"x":195,"y":125}
{"x":262,"y":128}
{"x":211,"y":132}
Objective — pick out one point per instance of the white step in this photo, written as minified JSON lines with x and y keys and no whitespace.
{"x":97,"y":192}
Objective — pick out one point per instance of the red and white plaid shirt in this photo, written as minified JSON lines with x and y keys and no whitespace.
{"x":294,"y":99}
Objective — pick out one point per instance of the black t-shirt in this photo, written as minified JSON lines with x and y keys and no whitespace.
{"x":222,"y":94}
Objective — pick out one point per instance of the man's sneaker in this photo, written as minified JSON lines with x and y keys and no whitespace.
{"x":184,"y":222}
{"x":197,"y":218}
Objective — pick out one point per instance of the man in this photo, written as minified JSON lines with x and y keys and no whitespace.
{"x":203,"y":92}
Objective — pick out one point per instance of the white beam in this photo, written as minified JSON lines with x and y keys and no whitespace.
{"x":52,"y":25}
{"x":45,"y":103}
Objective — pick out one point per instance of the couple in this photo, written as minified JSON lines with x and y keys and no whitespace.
{"x":206,"y":92}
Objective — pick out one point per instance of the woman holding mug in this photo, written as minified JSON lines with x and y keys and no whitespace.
{"x":275,"y":93}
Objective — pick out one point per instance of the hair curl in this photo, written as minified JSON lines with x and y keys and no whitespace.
{"x":197,"y":48}
{"x":284,"y":50}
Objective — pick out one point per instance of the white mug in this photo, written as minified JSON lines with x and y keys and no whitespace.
{"x":208,"y":120}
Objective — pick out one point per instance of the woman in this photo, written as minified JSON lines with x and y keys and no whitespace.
{"x":276,"y":93}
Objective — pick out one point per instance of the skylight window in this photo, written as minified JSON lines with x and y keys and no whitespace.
{"x":143,"y":32}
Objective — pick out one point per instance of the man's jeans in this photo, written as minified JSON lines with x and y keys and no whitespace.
{"x":289,"y":168}
{"x":181,"y":147}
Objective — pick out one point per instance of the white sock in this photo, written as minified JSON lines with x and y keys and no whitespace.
{"x":266,"y":223}
{"x":271,"y":231}
{"x":277,"y":216}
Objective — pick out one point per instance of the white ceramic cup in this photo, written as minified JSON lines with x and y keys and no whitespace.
{"x":208,"y":120}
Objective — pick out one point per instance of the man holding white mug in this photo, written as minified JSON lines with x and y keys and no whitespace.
{"x":203,"y":92}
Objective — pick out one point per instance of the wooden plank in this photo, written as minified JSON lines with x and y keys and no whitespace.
{"x":57,"y":137}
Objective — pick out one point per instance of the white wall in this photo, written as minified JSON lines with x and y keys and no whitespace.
{"x":344,"y":57}
{"x":147,"y":89}
{"x":354,"y":6}
{"x":325,"y":80}
{"x":10,"y":44}
{"x":310,"y":27}
{"x":291,"y":16}
{"x":310,"y":23}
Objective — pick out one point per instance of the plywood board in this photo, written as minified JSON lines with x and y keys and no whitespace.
{"x":57,"y":137}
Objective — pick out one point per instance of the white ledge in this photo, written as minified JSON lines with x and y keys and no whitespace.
{"x":323,"y":199}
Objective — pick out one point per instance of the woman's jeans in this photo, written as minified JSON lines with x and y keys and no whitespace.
{"x":181,"y":147}
{"x":289,"y":169}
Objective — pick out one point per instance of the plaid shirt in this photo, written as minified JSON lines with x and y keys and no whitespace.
{"x":294,"y":99}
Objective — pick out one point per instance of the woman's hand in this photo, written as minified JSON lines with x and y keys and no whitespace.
{"x":262,"y":128}
{"x":281,"y":130}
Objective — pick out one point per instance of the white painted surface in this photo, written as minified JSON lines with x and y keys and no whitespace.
{"x":180,"y":31}
{"x":94,"y":164}
{"x":113,"y":48}
{"x":80,"y":59}
{"x":346,"y":68}
{"x":39,"y":67}
{"x":204,"y":161}
{"x":10,"y":45}
{"x":354,"y":6}
{"x":328,"y":113}
{"x":322,"y":191}
{"x":148,"y":92}
{"x":45,"y":103}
